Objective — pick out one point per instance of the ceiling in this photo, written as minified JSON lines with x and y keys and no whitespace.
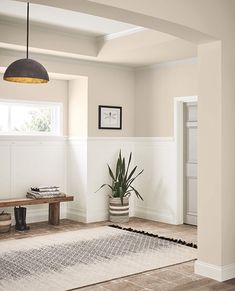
{"x":88,"y":37}
{"x":89,"y":24}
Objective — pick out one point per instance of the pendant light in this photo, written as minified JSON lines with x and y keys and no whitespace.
{"x":26,"y":70}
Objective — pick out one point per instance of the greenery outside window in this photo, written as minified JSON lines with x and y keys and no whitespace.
{"x":30,"y":118}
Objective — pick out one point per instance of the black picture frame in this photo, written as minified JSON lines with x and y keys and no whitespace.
{"x":109,"y":123}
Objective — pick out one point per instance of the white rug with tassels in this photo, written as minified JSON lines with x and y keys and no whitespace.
{"x":63,"y":261}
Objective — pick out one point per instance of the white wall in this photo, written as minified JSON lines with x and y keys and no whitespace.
{"x":100,"y":152}
{"x":79,"y":167}
{"x":156,"y":87}
{"x":112,"y":86}
{"x":87,"y":171}
{"x":27,"y":161}
{"x":157,"y":156}
{"x":78,"y":107}
{"x":77,"y":178}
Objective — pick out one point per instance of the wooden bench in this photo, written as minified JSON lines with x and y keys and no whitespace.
{"x":54,"y":205}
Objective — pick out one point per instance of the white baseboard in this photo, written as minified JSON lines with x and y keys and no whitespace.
{"x":218,"y":273}
{"x":97,"y":216}
{"x":147,"y":213}
{"x":76,"y":214}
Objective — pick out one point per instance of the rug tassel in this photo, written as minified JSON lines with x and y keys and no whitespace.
{"x":178,"y":241}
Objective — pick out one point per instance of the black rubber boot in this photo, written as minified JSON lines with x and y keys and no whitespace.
{"x":23,"y":215}
{"x":18,"y":218}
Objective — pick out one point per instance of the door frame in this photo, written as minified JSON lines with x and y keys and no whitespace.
{"x":179,"y":147}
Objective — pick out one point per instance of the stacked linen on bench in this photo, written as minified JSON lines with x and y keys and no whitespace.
{"x":45,"y":192}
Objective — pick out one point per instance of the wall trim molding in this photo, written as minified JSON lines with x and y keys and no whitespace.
{"x":154,"y":139}
{"x":127,"y":32}
{"x":152,"y":214}
{"x":187,"y":61}
{"x":218,"y":273}
{"x":76,"y":214}
{"x":97,"y":216}
{"x":127,"y":139}
{"x":16,"y":52}
{"x":32,"y":138}
{"x":186,"y":99}
{"x":41,"y":138}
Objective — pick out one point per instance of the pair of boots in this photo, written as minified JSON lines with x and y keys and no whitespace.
{"x":20,"y":217}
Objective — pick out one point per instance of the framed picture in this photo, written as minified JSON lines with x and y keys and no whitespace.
{"x":110,"y":117}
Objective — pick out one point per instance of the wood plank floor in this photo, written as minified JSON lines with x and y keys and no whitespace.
{"x":180,"y":277}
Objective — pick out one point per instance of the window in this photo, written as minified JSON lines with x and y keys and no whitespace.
{"x":30,"y":118}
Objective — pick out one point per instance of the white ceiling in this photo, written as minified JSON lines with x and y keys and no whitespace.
{"x":63,"y":18}
{"x":108,"y":40}
{"x":145,"y":48}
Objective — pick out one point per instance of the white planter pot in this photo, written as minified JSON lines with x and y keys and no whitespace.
{"x":119,"y":213}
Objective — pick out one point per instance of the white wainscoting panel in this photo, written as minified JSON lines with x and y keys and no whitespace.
{"x":100,"y":152}
{"x":157,"y":156}
{"x":87,"y":171}
{"x":77,"y":179}
{"x":5,"y":171}
{"x":32,"y":161}
{"x":79,"y":167}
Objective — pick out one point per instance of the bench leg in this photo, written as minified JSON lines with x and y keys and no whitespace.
{"x":54,"y":213}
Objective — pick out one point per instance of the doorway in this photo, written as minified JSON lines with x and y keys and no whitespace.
{"x":190,"y":128}
{"x":180,"y":114}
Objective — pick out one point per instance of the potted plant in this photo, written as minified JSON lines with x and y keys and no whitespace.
{"x":5,"y":222}
{"x":121,"y":188}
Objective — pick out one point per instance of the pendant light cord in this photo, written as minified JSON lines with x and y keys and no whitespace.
{"x":26,"y":70}
{"x":27,"y":50}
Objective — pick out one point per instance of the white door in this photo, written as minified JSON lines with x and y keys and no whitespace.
{"x":190,"y":163}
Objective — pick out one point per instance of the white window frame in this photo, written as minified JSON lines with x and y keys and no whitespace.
{"x":57,"y":112}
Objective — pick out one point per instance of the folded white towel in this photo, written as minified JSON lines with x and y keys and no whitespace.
{"x":45,"y":188}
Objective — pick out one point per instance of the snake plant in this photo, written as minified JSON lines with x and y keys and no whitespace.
{"x":122,"y":179}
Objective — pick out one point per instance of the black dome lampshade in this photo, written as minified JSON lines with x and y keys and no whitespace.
{"x":26,"y":70}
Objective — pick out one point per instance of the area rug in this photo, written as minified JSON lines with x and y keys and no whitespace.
{"x":68,"y":260}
